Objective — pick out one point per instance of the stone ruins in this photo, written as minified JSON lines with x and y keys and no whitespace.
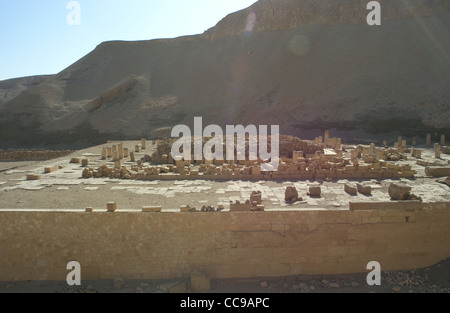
{"x":322,"y":159}
{"x":326,"y":210}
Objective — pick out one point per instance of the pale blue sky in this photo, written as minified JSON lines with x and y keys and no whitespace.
{"x":36,"y":39}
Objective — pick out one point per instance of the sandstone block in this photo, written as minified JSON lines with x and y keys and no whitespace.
{"x":75,"y":160}
{"x":240,"y":207}
{"x":258,"y":208}
{"x":111,"y":207}
{"x":33,"y":177}
{"x":52,"y":169}
{"x":399,"y":192}
{"x":104,"y":153}
{"x":87,"y":173}
{"x":437,"y":151}
{"x":120,"y":151}
{"x":151,"y":209}
{"x":315,"y":191}
{"x":351,"y":189}
{"x":363,"y":189}
{"x":256,"y":197}
{"x":291,"y":194}
{"x":436,"y":171}
{"x":115,"y":153}
{"x":185,"y":208}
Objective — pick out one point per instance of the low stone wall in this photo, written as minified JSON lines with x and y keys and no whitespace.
{"x":37,"y":245}
{"x":32,"y":155}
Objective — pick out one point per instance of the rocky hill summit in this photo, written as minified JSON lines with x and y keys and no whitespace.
{"x":286,"y":14}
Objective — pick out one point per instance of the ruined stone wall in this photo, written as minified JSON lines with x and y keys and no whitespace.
{"x":38,"y":245}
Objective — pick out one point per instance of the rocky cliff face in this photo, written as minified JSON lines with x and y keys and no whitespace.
{"x":304,"y":65}
{"x":286,"y":14}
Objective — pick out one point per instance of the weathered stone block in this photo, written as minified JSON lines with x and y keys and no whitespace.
{"x":120,"y":151}
{"x":52,"y":169}
{"x":436,"y":171}
{"x":351,"y":189}
{"x":399,"y":192}
{"x":75,"y":160}
{"x":185,"y":208}
{"x":258,"y":208}
{"x":315,"y":191}
{"x":256,"y":197}
{"x":104,"y":153}
{"x":291,"y":194}
{"x":33,"y":177}
{"x":151,"y":209}
{"x":437,"y":151}
{"x":111,"y":207}
{"x":240,"y":207}
{"x":363,"y":189}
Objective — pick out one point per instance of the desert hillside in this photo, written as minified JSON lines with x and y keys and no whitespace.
{"x":11,"y":88}
{"x":304,"y":65}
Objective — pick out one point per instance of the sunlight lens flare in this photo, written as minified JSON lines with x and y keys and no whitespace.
{"x":251,"y":22}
